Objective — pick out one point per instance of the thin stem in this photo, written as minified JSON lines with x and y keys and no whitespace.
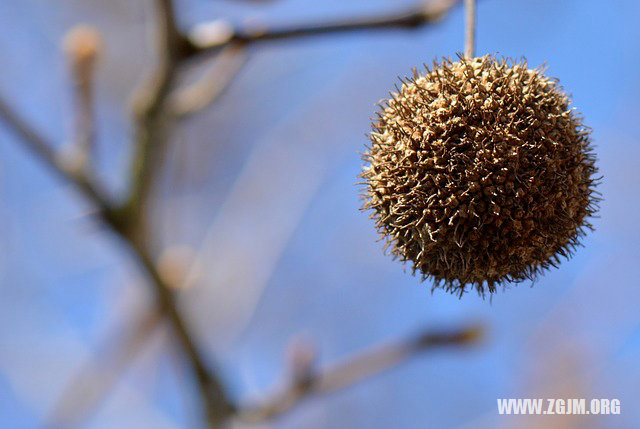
{"x":212,"y":85}
{"x":85,"y":125}
{"x":415,"y":17}
{"x":151,"y":119}
{"x":470,"y":39}
{"x":151,"y":138}
{"x":218,"y":407}
{"x":83,"y":44}
{"x":46,"y":152}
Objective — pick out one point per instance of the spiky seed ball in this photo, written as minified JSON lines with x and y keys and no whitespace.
{"x":479,"y":173}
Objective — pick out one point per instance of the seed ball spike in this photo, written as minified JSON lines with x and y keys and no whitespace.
{"x":480,"y":174}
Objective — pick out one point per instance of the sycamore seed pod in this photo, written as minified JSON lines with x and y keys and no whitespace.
{"x":479,"y":173}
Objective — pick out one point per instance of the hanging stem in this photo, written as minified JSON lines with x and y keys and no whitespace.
{"x":470,"y":39}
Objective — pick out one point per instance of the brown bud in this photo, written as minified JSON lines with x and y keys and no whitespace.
{"x":83,"y":45}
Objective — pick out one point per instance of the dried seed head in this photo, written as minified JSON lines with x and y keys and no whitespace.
{"x":479,"y":173}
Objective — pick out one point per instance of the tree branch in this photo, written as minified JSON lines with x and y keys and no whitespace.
{"x":38,"y":145}
{"x":149,"y":110}
{"x":152,"y":128}
{"x":129,"y":220}
{"x":129,"y":223}
{"x":217,"y":405}
{"x":206,"y":90}
{"x":415,"y":17}
{"x":358,"y":368}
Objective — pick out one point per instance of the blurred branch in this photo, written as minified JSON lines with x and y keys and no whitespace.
{"x":38,"y":145}
{"x":150,"y":114}
{"x":209,"y":87}
{"x":217,"y":404}
{"x":92,"y":383}
{"x":417,"y":16}
{"x":358,"y":368}
{"x":127,"y":221}
{"x":152,"y":128}
{"x":175,"y":48}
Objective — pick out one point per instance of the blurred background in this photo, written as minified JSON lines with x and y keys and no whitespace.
{"x":259,"y":200}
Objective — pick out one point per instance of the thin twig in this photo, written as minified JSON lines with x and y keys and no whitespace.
{"x":151,"y":138}
{"x":470,"y":25}
{"x":83,"y":44}
{"x":85,"y":125}
{"x":359,"y":368}
{"x":151,"y":122}
{"x":47,"y":153}
{"x":217,"y":404}
{"x":415,"y":17}
{"x":131,"y":228}
{"x":207,"y":89}
{"x":93,"y":382}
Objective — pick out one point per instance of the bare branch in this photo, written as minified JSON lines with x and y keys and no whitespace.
{"x":415,"y":17}
{"x":149,"y":109}
{"x":358,"y":368}
{"x":215,"y":401}
{"x":152,"y":129}
{"x":127,"y":222}
{"x":217,"y":404}
{"x":46,"y":152}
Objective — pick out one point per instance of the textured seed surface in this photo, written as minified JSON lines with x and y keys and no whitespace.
{"x":479,"y":173}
